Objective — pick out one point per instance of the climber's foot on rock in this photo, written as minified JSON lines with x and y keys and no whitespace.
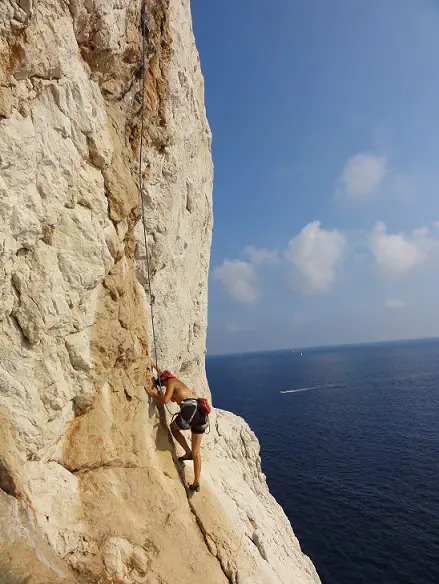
{"x":185,"y":457}
{"x":194,"y":488}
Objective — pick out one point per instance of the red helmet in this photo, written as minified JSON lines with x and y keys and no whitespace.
{"x":164,"y":375}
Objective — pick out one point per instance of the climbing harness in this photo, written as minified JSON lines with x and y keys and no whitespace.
{"x":190,"y":407}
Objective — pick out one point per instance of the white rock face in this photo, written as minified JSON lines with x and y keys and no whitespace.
{"x":24,"y":555}
{"x":80,"y":447}
{"x":179,"y":210}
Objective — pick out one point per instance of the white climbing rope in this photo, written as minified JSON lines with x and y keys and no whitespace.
{"x":144,"y":32}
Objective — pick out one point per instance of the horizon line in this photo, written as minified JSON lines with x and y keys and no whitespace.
{"x":329,"y":346}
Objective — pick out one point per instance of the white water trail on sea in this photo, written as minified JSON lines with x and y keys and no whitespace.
{"x":302,"y":389}
{"x":307,"y":388}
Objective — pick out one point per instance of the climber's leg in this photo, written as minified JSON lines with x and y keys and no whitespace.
{"x":180,"y":438}
{"x":196,"y":455}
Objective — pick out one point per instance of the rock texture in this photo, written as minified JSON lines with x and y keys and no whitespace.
{"x":91,"y":489}
{"x":24,"y":555}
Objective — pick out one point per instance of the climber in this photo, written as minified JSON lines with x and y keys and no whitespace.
{"x":193,"y":415}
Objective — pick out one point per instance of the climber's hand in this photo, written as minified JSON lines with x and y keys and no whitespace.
{"x":150,"y":392}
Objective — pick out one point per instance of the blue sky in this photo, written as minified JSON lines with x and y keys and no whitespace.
{"x":325,"y":121}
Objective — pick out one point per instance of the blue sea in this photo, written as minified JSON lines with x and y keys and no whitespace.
{"x":350,"y":446}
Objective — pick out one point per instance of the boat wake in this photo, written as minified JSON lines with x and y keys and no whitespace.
{"x":303,"y":389}
{"x":300,"y":389}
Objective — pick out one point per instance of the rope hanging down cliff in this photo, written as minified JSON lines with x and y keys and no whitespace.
{"x":144,"y":33}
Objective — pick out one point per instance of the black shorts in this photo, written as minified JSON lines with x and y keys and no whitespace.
{"x":191,"y":418}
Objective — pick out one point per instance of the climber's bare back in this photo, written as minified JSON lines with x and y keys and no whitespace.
{"x":181,"y":392}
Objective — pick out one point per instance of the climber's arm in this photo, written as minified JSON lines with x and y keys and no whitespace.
{"x":162,"y":399}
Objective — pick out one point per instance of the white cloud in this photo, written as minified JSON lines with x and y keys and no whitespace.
{"x":316,"y":253}
{"x":362,"y":175}
{"x":239,"y":280}
{"x":397,"y":254}
{"x":420,"y":232}
{"x":395,"y":303}
{"x":258,"y":257}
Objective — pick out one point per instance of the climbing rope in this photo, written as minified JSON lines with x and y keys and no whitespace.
{"x":144,"y":27}
{"x":144,"y":32}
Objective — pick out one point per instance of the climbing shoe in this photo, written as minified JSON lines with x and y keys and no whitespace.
{"x":194,"y":488}
{"x":185,"y":457}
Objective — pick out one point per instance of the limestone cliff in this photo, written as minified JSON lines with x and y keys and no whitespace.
{"x":90,"y":491}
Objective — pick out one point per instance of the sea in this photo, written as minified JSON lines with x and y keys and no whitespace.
{"x":350,"y":447}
